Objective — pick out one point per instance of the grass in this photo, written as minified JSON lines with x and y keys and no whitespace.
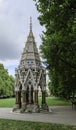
{"x":27,"y":125}
{"x":50,"y":101}
{"x":57,"y":101}
{"x":10,"y":102}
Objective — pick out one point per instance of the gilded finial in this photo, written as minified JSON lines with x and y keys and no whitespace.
{"x":30,"y":24}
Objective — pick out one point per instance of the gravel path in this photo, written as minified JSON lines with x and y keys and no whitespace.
{"x":60,"y":114}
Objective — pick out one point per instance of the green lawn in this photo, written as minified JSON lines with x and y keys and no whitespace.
{"x":10,"y":102}
{"x":27,"y":125}
{"x":50,"y":101}
{"x":57,"y":101}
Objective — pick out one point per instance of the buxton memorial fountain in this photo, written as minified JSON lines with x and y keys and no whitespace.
{"x":30,"y":76}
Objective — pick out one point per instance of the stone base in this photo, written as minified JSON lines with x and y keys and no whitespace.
{"x":44,"y":107}
{"x":31,"y":108}
{"x":27,"y":108}
{"x":23,"y":108}
{"x":16,"y":107}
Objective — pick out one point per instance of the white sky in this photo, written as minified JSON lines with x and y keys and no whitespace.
{"x":14,"y":29}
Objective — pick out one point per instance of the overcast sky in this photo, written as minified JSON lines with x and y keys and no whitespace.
{"x":14,"y":29}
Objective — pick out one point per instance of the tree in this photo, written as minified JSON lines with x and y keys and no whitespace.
{"x":59,"y":43}
{"x":6,"y":82}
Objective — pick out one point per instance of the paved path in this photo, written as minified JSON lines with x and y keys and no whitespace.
{"x":60,"y":114}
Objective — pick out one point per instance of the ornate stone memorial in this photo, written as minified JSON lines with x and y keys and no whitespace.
{"x":30,"y":75}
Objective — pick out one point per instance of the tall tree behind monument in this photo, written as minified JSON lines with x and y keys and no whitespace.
{"x":59,"y":44}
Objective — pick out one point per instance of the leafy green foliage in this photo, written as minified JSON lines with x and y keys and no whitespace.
{"x":6,"y":82}
{"x":59,"y":44}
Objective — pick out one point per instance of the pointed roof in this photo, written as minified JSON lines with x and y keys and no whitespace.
{"x":30,"y":24}
{"x":30,"y":55}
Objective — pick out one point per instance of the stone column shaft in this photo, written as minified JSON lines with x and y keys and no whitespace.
{"x":24,"y":97}
{"x":29,"y":96}
{"x":23,"y":100}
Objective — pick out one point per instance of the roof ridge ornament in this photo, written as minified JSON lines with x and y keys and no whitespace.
{"x":30,"y":24}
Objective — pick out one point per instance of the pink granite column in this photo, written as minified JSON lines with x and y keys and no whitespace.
{"x":18,"y":99}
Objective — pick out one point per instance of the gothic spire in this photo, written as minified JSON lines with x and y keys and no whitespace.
{"x":30,"y":55}
{"x":30,"y":24}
